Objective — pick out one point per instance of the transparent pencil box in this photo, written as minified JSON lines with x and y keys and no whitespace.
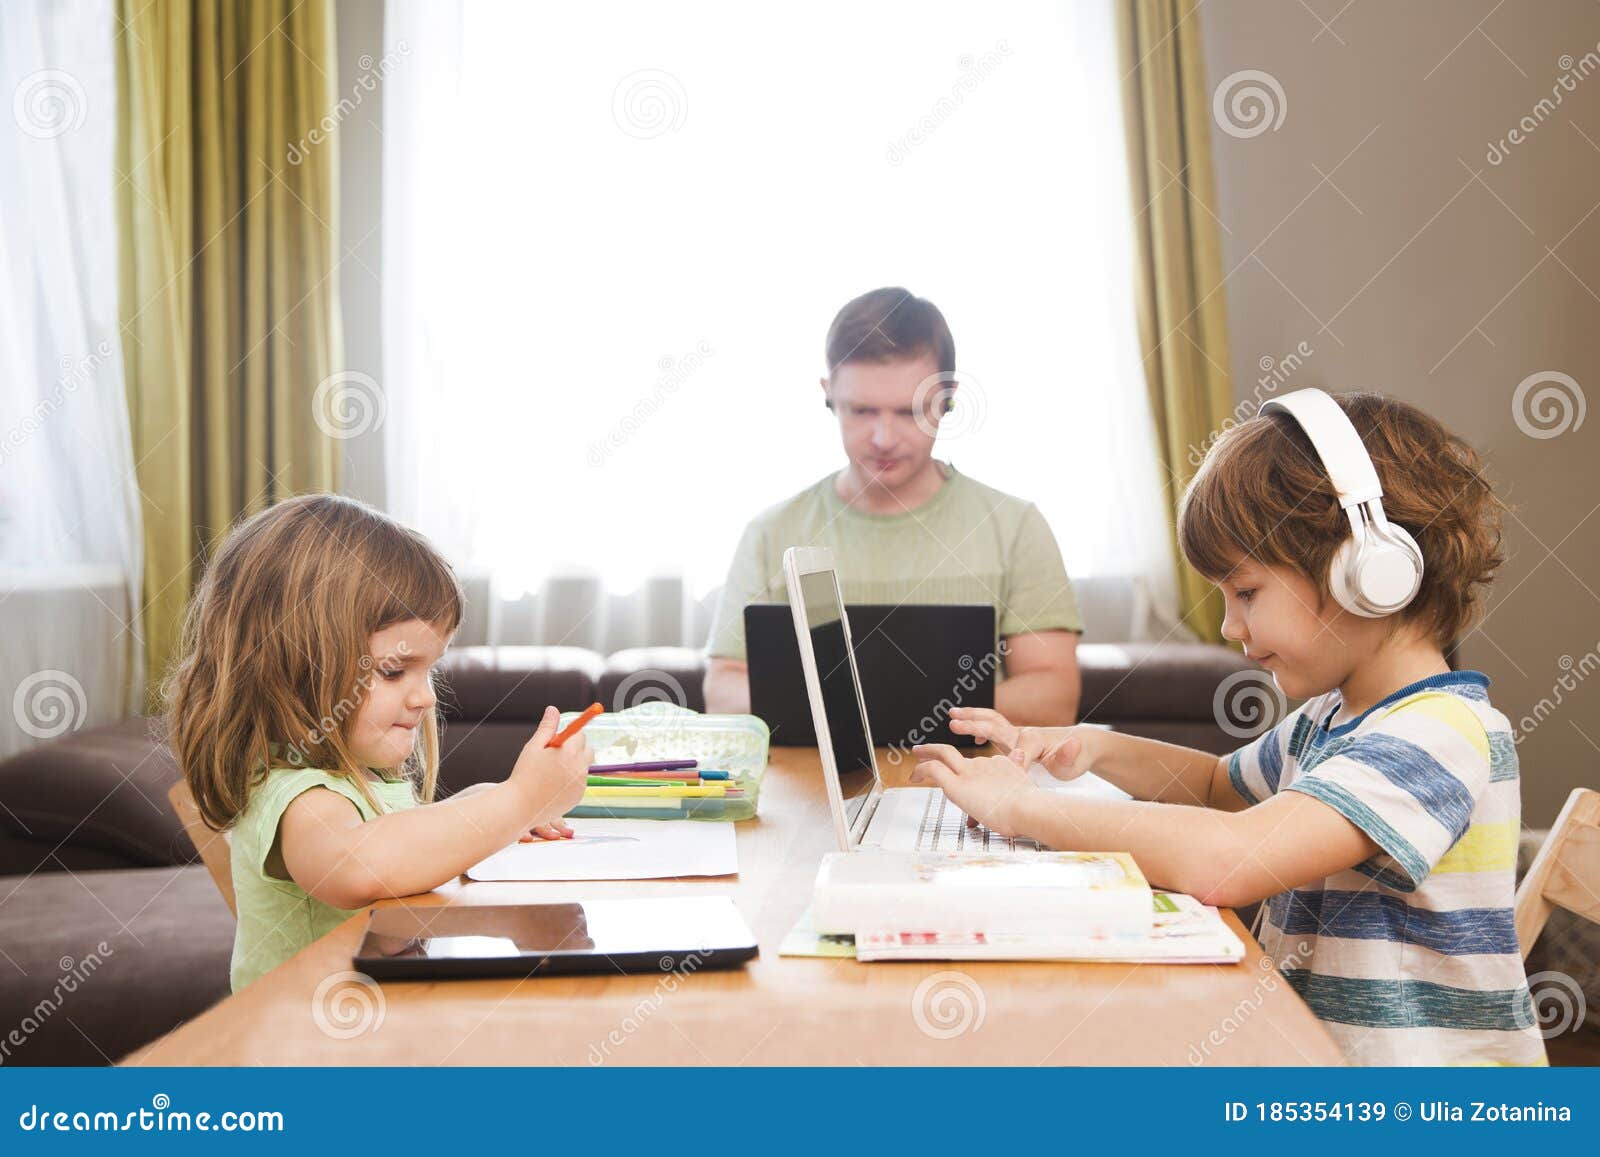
{"x":736,"y":744}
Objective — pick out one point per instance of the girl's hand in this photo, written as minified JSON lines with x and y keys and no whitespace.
{"x":552,"y":779}
{"x":994,"y":791}
{"x":1065,"y":752}
{"x":554,"y":830}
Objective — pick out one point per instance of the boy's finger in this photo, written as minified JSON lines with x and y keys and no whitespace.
{"x":942,"y":752}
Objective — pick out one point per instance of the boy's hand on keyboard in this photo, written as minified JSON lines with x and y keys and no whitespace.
{"x":991,"y":790}
{"x":1064,"y":751}
{"x":552,"y":778}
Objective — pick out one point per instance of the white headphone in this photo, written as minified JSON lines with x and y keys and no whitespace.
{"x":1378,"y":569}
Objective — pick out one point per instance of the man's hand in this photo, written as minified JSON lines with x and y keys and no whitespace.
{"x":727,"y":687}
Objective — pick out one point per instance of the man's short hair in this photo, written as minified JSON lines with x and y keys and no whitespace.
{"x":889,"y":324}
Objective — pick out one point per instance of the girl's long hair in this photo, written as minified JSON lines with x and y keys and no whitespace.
{"x":275,"y":647}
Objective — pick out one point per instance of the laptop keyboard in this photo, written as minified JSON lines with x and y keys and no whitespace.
{"x":944,"y":829}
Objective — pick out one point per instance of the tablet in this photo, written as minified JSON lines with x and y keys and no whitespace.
{"x":607,"y":936}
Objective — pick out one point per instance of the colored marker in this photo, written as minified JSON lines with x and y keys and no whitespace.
{"x":646,"y":765}
{"x":620,"y":781}
{"x":658,"y":792}
{"x":577,"y":724}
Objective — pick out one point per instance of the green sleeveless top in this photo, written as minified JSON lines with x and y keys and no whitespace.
{"x":277,"y":917}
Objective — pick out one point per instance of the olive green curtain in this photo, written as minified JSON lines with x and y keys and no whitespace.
{"x":228,"y":205}
{"x":1182,"y":320}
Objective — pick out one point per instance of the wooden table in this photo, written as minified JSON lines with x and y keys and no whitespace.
{"x":776,"y":1011}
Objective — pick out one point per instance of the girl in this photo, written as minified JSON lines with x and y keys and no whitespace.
{"x":302,"y":715}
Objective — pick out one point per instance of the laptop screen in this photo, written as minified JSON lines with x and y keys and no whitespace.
{"x":841,"y":699}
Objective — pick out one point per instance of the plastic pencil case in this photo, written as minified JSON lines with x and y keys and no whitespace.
{"x":736,"y":744}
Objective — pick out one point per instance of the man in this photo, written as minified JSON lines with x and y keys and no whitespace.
{"x":904,"y":527}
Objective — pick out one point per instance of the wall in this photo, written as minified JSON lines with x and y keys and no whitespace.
{"x":1374,"y":224}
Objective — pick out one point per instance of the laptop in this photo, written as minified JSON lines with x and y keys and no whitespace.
{"x":915,"y":657}
{"x":865,"y":813}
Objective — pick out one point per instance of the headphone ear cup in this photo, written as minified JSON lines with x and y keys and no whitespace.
{"x":1341,"y":578}
{"x":1379,"y":575}
{"x":1401,"y":535}
{"x":1400,"y":559}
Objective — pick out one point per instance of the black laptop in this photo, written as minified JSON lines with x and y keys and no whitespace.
{"x":915,"y":663}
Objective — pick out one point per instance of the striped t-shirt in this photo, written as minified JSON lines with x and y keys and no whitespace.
{"x":1411,"y":957}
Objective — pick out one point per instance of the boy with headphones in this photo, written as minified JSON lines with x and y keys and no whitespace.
{"x":1379,"y":821}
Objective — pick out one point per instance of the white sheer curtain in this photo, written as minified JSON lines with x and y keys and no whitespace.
{"x":70,"y":552}
{"x":609,"y":268}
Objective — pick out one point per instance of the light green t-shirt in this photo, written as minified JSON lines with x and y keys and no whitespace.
{"x":969,"y":543}
{"x":277,"y":917}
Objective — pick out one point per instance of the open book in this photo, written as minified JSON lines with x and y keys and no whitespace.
{"x":1182,"y":931}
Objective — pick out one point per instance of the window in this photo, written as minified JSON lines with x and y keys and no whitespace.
{"x":612,"y":254}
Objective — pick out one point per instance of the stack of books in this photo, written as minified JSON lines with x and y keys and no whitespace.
{"x":878,"y":905}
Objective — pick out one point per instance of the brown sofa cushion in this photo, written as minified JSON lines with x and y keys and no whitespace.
{"x":1168,"y":681}
{"x":643,"y":674}
{"x":104,"y":788}
{"x":516,"y":683}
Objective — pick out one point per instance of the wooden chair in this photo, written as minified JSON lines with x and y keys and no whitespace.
{"x":1566,"y":872}
{"x":212,"y":845}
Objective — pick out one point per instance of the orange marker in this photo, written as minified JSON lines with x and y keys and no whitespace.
{"x":577,"y":724}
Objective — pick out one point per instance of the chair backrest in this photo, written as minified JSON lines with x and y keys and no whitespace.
{"x":211,"y":844}
{"x":1566,"y":872}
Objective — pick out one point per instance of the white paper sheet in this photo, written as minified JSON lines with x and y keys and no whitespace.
{"x":1088,"y":784}
{"x":607,"y":849}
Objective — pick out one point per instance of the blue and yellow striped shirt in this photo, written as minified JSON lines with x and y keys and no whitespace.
{"x":1411,"y":957}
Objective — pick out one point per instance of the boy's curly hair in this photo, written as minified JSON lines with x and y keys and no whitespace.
{"x":1263,"y":492}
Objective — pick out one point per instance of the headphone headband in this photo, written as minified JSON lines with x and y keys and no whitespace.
{"x":1378,"y":569}
{"x":1336,"y":442}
